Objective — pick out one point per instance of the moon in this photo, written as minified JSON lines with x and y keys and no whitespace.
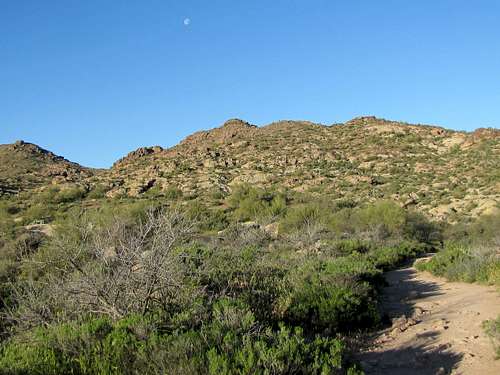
{"x":187,"y":21}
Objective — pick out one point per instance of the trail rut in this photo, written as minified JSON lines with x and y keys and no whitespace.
{"x":436,"y":327}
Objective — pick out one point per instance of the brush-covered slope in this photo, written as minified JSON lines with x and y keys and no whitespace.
{"x":439,"y":171}
{"x":26,"y":166}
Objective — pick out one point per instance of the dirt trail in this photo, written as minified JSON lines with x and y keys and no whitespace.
{"x":436,"y":327}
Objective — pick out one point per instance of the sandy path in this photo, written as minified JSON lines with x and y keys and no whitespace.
{"x":436,"y":327}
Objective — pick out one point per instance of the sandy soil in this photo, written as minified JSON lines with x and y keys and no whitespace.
{"x":434,"y":328}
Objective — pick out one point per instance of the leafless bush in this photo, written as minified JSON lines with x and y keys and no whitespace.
{"x":240,"y":236}
{"x":115,"y":271}
{"x":307,"y":237}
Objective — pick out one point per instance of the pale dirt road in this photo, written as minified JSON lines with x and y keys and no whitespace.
{"x":436,"y":328}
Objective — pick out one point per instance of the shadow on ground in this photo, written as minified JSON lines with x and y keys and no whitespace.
{"x":412,"y":359}
{"x":421,"y":354}
{"x":404,"y":290}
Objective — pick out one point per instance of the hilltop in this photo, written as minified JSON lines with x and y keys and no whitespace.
{"x":438,"y":171}
{"x":25,"y":166}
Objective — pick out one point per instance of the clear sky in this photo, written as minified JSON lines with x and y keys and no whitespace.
{"x":94,"y":79}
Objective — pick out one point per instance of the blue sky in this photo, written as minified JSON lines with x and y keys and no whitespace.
{"x":92,"y":80}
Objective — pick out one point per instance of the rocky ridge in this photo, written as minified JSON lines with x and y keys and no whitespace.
{"x":26,"y":166}
{"x":438,"y":171}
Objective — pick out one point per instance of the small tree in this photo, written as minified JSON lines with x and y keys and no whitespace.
{"x":119,"y":270}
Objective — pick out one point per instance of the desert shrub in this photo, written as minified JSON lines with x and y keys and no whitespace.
{"x":39,"y":212}
{"x":209,"y":219}
{"x":383,"y":221}
{"x":459,"y":262}
{"x":345,"y":203}
{"x":8,"y":208}
{"x":343,"y":247}
{"x":243,"y":235}
{"x":47,"y":196}
{"x":389,"y":257}
{"x":118,"y":271}
{"x":380,"y":220}
{"x":97,"y":192}
{"x":216,"y":193}
{"x":72,"y":348}
{"x":7,"y":224}
{"x":492,"y":329}
{"x":306,"y":218}
{"x":277,"y":206}
{"x":329,"y":297}
{"x":11,"y":253}
{"x":482,"y":231}
{"x":485,"y":230}
{"x":245,"y":274}
{"x":69,"y":195}
{"x":418,"y":227}
{"x":250,"y":203}
{"x":228,"y":344}
{"x":284,"y":352}
{"x":173,"y":193}
{"x":8,"y":270}
{"x":341,"y":222}
{"x":56,"y":195}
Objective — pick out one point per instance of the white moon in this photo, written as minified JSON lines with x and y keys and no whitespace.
{"x":187,"y":21}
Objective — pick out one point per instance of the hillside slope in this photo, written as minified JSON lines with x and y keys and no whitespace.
{"x":439,"y":171}
{"x":25,"y":166}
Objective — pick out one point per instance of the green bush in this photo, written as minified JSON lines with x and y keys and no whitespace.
{"x":482,"y":231}
{"x":173,"y":193}
{"x":229,"y":344}
{"x":93,"y":347}
{"x":458,"y":262}
{"x":250,"y":203}
{"x":330,"y":296}
{"x":209,"y":219}
{"x":69,"y":195}
{"x":345,"y":247}
{"x":303,"y":216}
{"x":245,"y":274}
{"x":390,"y":257}
{"x":39,"y":212}
{"x":383,"y":218}
{"x":492,"y":329}
{"x":417,"y":227}
{"x":7,"y":224}
{"x":342,"y":222}
{"x":284,"y":352}
{"x":99,"y":191}
{"x":485,"y":229}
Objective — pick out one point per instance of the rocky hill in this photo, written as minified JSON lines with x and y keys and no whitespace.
{"x":26,"y":166}
{"x":440,"y":172}
{"x":437,"y":170}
